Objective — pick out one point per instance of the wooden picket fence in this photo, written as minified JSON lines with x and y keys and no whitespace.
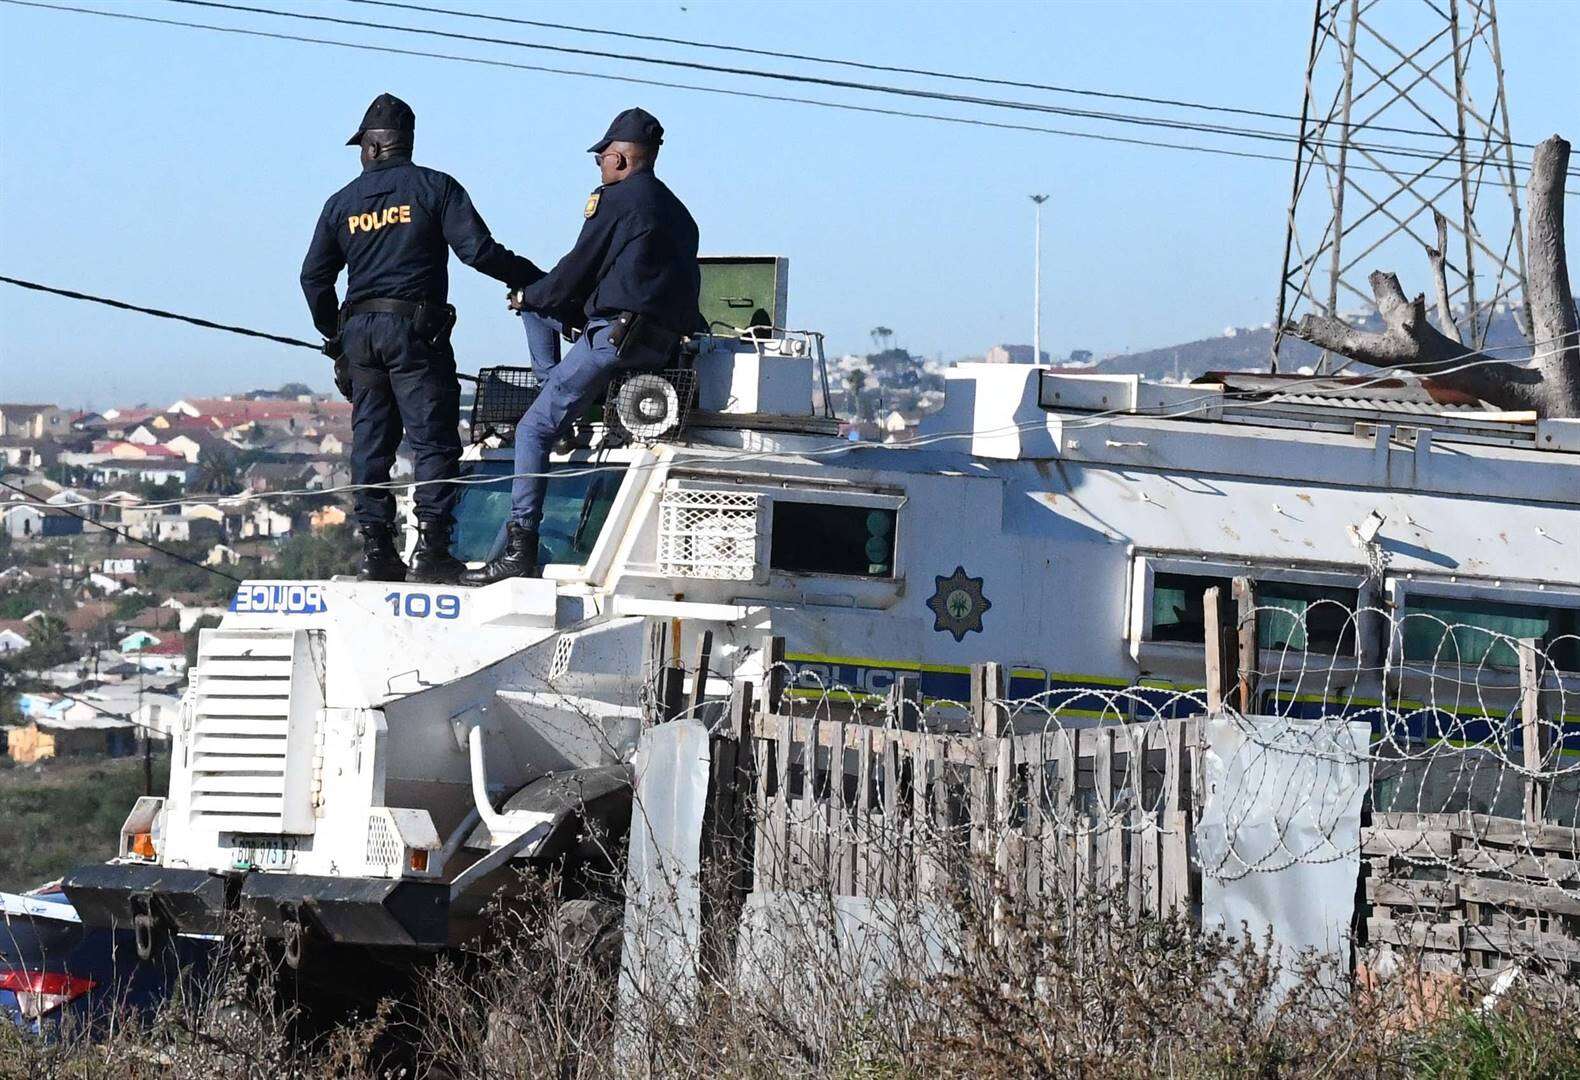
{"x":862,"y":809}
{"x":871,"y":811}
{"x":831,"y":803}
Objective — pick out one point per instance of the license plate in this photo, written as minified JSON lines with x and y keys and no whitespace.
{"x":264,"y":852}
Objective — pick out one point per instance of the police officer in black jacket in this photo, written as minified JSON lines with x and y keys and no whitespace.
{"x":390,"y":228}
{"x":631,"y":285}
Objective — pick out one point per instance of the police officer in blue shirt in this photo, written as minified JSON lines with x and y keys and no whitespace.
{"x":631,"y":285}
{"x":390,"y":228}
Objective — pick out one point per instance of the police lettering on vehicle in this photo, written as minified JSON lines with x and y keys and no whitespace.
{"x":390,"y":215}
{"x":281,"y":599}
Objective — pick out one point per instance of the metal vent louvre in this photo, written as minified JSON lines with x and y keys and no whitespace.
{"x":705,"y":533}
{"x":257,"y":696}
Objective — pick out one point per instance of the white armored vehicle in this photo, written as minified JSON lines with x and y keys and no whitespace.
{"x":363,"y":763}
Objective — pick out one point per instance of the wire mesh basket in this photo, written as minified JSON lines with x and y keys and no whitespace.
{"x":504,"y":394}
{"x":647,"y":405}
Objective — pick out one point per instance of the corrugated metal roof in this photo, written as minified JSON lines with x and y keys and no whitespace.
{"x":1375,"y":391}
{"x":1414,"y":408}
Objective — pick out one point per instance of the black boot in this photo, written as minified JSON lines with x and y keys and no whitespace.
{"x":380,"y":560}
{"x":519,"y":559}
{"x":431,"y":563}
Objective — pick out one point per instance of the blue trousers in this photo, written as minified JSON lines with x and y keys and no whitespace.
{"x":401,"y":386}
{"x":569,"y":385}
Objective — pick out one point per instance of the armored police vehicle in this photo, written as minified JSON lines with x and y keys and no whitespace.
{"x":363,"y":763}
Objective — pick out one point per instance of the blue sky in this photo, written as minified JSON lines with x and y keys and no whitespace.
{"x":184,"y":169}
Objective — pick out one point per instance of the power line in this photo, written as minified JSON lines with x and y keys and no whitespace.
{"x":128,"y":536}
{"x":955,"y":76}
{"x":158,"y":313}
{"x":874,"y":110}
{"x":391,"y":50}
{"x":840,"y":84}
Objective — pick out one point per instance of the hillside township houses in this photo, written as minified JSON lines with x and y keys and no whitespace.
{"x":77,"y":730}
{"x":14,"y":635}
{"x":223,"y":467}
{"x":38,"y":508}
{"x":34,"y":422}
{"x":158,"y":446}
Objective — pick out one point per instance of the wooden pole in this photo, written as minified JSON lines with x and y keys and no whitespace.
{"x":1248,"y":651}
{"x":774,"y":674}
{"x":1217,"y":642}
{"x":987,"y":695}
{"x":671,"y":692}
{"x":1533,"y":732}
{"x":905,"y":701}
{"x":699,"y":681}
{"x":741,"y":713}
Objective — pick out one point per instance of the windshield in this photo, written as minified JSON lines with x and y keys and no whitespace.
{"x":574,"y":509}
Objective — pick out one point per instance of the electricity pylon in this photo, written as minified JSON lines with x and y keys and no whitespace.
{"x":1404,"y":145}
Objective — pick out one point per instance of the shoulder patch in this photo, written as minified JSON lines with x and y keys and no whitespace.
{"x":592,"y":204}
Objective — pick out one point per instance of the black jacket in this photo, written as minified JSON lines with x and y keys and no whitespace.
{"x":389,"y":228}
{"x":637,"y":252}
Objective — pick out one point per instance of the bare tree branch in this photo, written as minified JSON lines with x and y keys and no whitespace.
{"x":1439,"y":261}
{"x":1551,"y":386}
{"x":1411,"y":343}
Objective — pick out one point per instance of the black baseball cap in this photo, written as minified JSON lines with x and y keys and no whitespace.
{"x":633,"y":125}
{"x":387,"y":112}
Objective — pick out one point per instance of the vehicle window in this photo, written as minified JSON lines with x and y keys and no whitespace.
{"x":1456,"y":631}
{"x":574,"y":510}
{"x":819,"y":538}
{"x":1319,"y":618}
{"x":1177,"y":608}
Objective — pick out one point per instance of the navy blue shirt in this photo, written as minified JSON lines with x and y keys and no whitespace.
{"x":389,"y":228}
{"x":637,"y":252}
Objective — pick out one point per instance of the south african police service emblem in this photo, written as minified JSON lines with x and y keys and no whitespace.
{"x":958,"y":604}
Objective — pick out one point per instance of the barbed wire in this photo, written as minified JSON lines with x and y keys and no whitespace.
{"x":1411,"y":714}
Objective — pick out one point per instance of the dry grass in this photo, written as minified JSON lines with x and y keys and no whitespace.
{"x":1064,"y":992}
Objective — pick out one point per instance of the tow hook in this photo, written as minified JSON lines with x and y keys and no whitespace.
{"x":146,"y":928}
{"x":295,"y":935}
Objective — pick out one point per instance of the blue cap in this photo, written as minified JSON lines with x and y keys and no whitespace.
{"x":633,"y":125}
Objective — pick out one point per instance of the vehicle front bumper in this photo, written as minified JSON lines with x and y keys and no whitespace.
{"x":344,"y":910}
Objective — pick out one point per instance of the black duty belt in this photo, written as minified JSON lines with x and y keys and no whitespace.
{"x":387,"y":307}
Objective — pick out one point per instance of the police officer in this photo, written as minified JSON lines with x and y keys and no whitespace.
{"x":391,"y":340}
{"x":631,"y":285}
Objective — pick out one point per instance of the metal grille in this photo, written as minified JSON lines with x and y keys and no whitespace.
{"x":705,"y":533}
{"x":504,"y":394}
{"x":385,"y":849}
{"x":561,"y":663}
{"x":648,"y":405}
{"x":252,"y":732}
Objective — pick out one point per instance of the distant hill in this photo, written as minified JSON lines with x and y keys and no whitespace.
{"x":1249,"y":349}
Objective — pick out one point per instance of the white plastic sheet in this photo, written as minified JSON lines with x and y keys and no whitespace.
{"x":1279,"y":836}
{"x":663,"y":909}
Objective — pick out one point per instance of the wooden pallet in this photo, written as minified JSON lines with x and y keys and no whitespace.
{"x":1473,"y":893}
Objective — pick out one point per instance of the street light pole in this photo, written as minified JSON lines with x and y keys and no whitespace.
{"x":1036,"y":302}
